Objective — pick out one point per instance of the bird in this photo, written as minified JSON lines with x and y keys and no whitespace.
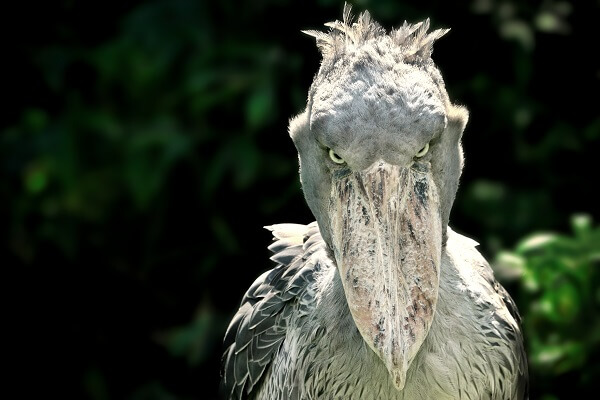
{"x":378,"y":298}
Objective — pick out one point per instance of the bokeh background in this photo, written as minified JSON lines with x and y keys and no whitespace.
{"x":144,"y":145}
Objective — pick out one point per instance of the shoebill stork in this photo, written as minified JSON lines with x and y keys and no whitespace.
{"x":379,"y":298}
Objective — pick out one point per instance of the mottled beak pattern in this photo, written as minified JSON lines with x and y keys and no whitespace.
{"x":387,"y":236}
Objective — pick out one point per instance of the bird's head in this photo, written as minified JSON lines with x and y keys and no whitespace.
{"x":380,"y":160}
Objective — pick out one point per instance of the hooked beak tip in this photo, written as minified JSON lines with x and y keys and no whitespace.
{"x":399,"y":378}
{"x":386,"y":234}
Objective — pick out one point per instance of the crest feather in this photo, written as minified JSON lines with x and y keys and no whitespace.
{"x":413,"y":40}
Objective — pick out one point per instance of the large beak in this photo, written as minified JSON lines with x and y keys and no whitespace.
{"x":387,"y":237}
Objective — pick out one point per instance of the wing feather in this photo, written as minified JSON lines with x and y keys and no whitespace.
{"x":521,"y":390}
{"x":258,"y":329}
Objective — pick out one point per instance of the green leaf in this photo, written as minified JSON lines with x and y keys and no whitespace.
{"x":151,"y":155}
{"x":35,"y":119}
{"x":536,"y":242}
{"x":547,"y":22}
{"x":518,"y":31}
{"x":581,"y":224}
{"x":260,"y":107}
{"x":562,"y":304}
{"x":36,"y":179}
{"x":509,"y":265}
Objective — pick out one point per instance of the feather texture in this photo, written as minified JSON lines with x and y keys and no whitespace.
{"x":258,"y":329}
{"x":293,"y":338}
{"x":413,"y":40}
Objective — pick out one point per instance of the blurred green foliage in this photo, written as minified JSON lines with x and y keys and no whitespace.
{"x":144,"y":146}
{"x":559,"y":296}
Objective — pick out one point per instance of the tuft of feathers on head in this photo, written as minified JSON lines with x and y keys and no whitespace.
{"x":414,"y":41}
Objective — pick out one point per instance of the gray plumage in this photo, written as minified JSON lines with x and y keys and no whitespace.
{"x":379,"y":298}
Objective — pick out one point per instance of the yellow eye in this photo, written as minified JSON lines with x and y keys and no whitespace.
{"x":335,"y":158}
{"x":423,"y":151}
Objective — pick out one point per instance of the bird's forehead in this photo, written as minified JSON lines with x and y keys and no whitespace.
{"x":367,"y":98}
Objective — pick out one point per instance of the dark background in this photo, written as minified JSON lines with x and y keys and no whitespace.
{"x":144,"y":146}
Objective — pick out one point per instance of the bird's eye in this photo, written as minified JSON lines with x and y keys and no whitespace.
{"x":335,"y":158}
{"x":423,"y":151}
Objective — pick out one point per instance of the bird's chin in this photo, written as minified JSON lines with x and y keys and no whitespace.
{"x":386,"y":235}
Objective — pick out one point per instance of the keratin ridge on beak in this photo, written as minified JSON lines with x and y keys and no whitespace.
{"x":387,"y":237}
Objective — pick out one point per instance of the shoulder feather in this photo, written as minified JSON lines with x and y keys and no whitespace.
{"x":258,"y":329}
